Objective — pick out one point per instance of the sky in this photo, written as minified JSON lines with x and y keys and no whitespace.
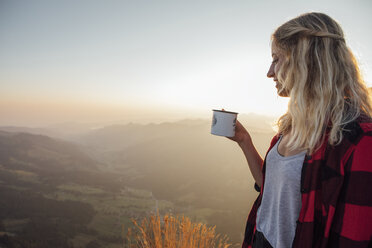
{"x":154,"y":60}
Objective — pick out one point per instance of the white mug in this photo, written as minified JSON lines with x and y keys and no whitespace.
{"x":223,"y":123}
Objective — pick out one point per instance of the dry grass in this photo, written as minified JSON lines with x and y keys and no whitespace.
{"x":173,"y":232}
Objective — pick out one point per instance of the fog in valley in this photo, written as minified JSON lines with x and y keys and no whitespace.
{"x":80,"y":185}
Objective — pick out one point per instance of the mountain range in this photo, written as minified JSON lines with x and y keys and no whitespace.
{"x":179,"y":165}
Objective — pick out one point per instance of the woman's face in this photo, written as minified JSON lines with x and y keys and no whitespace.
{"x":278,"y":58}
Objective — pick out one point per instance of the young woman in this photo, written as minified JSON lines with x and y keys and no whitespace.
{"x":315,"y":182}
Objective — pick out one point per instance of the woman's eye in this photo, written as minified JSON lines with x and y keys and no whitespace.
{"x":274,"y":61}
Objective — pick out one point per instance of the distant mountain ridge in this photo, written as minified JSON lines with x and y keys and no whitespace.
{"x":71,"y":130}
{"x":41,"y":152}
{"x":121,"y":136}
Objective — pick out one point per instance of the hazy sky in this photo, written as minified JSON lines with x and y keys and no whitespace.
{"x":135,"y":60}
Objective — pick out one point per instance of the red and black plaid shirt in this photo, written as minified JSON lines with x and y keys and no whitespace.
{"x":336,"y":191}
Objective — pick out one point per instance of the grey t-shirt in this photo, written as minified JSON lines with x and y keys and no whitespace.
{"x":281,"y":200}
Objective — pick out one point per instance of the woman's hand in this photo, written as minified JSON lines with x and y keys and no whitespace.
{"x":241,"y":134}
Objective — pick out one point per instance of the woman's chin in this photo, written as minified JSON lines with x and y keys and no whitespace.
{"x":283,"y":93}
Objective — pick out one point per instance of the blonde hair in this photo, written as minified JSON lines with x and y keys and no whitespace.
{"x":323,"y":79}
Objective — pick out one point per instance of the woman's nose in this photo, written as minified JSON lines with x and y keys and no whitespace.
{"x":271,"y":72}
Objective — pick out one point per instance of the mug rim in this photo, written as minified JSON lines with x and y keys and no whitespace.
{"x":224,"y":111}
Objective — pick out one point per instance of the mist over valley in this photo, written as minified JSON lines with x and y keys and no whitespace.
{"x":118,"y":172}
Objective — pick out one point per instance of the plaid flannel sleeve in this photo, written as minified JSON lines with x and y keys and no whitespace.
{"x":352,"y":225}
